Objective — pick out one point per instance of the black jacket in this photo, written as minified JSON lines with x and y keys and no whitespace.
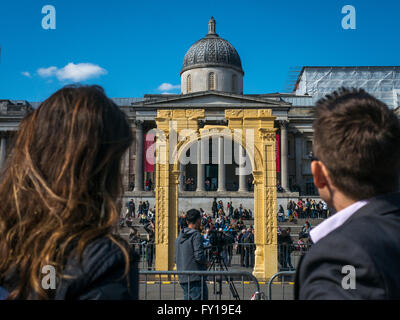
{"x":370,"y":241}
{"x":189,"y":254}
{"x":99,"y":276}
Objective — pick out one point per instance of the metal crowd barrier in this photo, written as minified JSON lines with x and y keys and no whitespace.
{"x":289,"y":255}
{"x":146,"y":251}
{"x":283,"y":289}
{"x":239,"y":255}
{"x":222,"y":285}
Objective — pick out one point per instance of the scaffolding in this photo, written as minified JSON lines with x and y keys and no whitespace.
{"x":381,"y":82}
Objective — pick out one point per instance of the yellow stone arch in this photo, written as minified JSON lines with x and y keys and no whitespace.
{"x":170,"y":124}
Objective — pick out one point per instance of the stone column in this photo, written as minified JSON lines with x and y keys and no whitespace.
{"x":3,"y":150}
{"x":221,"y":165}
{"x":200,"y":169}
{"x":242,"y":175}
{"x":284,"y":156}
{"x":139,"y":182}
{"x":299,"y":159}
{"x":125,"y":170}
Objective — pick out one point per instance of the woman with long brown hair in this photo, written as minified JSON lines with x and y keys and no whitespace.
{"x":58,"y":193}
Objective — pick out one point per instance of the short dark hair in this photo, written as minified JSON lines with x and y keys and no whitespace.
{"x":357,"y":137}
{"x":193,"y":215}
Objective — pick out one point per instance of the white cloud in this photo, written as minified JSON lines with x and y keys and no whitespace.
{"x":26,"y":74}
{"x":168,"y":87}
{"x":47,"y":72}
{"x":74,"y":72}
{"x":80,"y":71}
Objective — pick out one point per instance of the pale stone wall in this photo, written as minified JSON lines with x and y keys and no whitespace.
{"x":223,"y":79}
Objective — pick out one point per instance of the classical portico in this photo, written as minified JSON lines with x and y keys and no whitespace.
{"x":222,"y":174}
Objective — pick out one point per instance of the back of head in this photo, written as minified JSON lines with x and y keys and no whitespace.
{"x":357,"y":138}
{"x":192,"y":216}
{"x":60,"y":184}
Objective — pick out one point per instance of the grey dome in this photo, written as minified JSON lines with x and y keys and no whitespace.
{"x":212,"y":51}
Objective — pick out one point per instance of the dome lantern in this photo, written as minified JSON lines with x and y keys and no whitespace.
{"x":211,"y":27}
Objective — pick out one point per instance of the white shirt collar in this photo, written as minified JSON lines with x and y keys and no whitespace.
{"x":335,"y":221}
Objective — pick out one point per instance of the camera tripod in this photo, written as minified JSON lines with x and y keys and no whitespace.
{"x":217,"y":263}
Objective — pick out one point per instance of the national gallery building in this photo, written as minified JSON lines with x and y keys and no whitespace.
{"x":212,"y":82}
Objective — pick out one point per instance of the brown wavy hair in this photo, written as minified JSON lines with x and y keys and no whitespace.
{"x":60,"y":185}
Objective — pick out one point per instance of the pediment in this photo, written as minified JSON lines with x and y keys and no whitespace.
{"x":213,"y":98}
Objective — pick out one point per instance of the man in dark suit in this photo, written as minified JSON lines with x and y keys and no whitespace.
{"x":356,"y":168}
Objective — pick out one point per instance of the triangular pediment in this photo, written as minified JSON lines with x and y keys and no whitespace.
{"x":210,"y":98}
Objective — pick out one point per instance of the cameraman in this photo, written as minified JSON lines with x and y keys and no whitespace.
{"x":190,"y":256}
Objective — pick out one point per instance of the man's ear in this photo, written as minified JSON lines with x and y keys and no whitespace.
{"x":319,"y":173}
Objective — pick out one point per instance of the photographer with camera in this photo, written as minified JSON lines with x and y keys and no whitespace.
{"x":190,"y":256}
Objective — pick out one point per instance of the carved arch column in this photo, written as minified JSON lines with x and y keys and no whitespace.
{"x":260,"y":122}
{"x":170,"y":123}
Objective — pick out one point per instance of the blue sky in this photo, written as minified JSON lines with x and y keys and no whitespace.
{"x":132,"y":47}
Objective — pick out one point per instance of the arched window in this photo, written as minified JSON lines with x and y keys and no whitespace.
{"x":211,"y":81}
{"x":189,"y":83}
{"x":234,"y":83}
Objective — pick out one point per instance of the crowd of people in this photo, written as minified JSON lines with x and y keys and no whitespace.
{"x":217,"y":209}
{"x":286,"y":245}
{"x":143,"y":212}
{"x":230,"y":221}
{"x":308,"y":209}
{"x":143,"y":245}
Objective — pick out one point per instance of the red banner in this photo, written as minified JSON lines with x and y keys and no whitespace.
{"x":277,"y":150}
{"x":149,"y":148}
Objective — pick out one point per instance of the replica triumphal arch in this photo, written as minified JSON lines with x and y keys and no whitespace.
{"x":185,"y":126}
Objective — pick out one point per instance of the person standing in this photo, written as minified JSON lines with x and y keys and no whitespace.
{"x":241,"y":247}
{"x":281,"y":214}
{"x":65,"y":173}
{"x":140,"y":208}
{"x":356,"y":169}
{"x":231,"y":210}
{"x":190,"y":256}
{"x":150,"y":247}
{"x":248,"y":242}
{"x":214,"y":208}
{"x":131,"y":208}
{"x":289,"y":249}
